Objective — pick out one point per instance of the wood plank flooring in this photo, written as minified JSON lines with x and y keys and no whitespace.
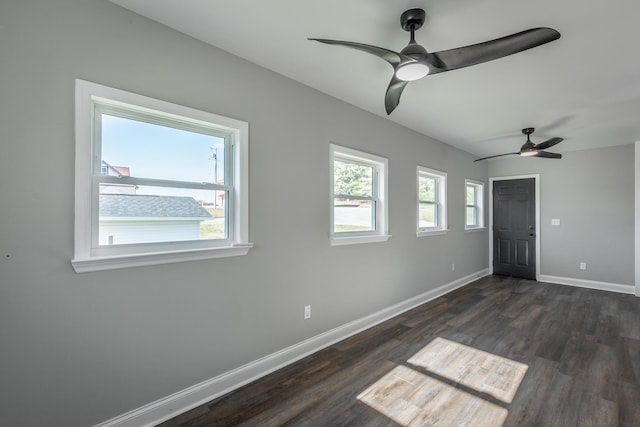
{"x":579,"y":348}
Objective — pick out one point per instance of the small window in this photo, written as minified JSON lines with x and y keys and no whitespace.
{"x":432,"y":193}
{"x":474,"y":197}
{"x":359,"y":194}
{"x":156,"y":182}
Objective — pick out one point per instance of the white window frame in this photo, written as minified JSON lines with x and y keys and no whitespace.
{"x":379,"y":199}
{"x":88,"y":256}
{"x":441,"y":201}
{"x":479,"y":204}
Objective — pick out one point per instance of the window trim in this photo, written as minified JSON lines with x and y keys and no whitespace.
{"x":441,"y":202}
{"x":479,"y":185}
{"x":379,"y":199}
{"x":87,"y":95}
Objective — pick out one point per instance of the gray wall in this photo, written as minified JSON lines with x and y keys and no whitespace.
{"x":78,"y":349}
{"x":592,"y":193}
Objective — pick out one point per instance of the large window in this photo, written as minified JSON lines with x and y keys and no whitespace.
{"x":156,"y":182}
{"x":432,"y":207}
{"x":474,"y":197}
{"x":359,"y":195}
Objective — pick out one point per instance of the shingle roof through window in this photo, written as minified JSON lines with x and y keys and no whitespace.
{"x":136,"y":205}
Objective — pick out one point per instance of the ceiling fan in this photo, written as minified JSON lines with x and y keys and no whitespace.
{"x":529,"y":149}
{"x":414,"y":62}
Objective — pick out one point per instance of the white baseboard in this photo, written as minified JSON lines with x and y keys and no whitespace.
{"x":191,"y":397}
{"x":591,"y":284}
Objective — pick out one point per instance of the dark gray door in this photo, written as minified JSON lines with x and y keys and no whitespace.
{"x":514,"y":220}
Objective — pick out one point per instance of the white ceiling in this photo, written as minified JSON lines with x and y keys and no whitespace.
{"x":584,"y":87}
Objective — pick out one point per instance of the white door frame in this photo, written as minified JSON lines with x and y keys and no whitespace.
{"x":536,"y":178}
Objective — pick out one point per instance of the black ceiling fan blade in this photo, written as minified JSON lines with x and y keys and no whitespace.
{"x":393,"y":58}
{"x":494,"y":49}
{"x":497,"y":155}
{"x":394,"y":91}
{"x":548,"y":143}
{"x":547,"y":155}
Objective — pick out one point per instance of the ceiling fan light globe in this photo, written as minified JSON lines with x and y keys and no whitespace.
{"x":412,"y":71}
{"x":529,"y":153}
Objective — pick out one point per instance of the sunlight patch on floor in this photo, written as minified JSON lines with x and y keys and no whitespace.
{"x":411,"y":398}
{"x":476,"y":369}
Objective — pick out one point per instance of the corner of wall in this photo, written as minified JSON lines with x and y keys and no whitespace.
{"x":637,"y":216}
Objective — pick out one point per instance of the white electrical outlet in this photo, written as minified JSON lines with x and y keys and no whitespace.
{"x":307,"y":312}
{"x":555,"y":221}
{"x":583,"y":266}
{"x":453,"y":266}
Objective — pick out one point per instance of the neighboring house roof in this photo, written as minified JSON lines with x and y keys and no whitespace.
{"x":120,"y":170}
{"x":137,"y":205}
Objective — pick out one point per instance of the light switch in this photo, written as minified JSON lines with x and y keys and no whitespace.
{"x":555,"y":221}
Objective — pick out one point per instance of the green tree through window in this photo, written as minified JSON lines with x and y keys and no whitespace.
{"x":352,"y":179}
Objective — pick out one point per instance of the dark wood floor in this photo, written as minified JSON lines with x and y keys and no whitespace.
{"x":581,"y":346}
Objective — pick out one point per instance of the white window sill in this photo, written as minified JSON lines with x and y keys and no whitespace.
{"x":475,"y":229}
{"x":424,"y":233}
{"x":139,"y":260}
{"x":354,"y":240}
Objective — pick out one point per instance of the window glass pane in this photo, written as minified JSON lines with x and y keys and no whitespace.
{"x":144,"y":214}
{"x":471,"y":216}
{"x":427,"y":215}
{"x":144,"y":150}
{"x":426,"y":189}
{"x":352,"y":179}
{"x":471,"y":195}
{"x":352,"y":215}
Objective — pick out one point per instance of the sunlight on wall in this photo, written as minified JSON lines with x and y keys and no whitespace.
{"x":412,"y":398}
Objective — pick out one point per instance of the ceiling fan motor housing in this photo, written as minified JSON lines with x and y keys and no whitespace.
{"x":528,"y":148}
{"x":414,"y":50}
